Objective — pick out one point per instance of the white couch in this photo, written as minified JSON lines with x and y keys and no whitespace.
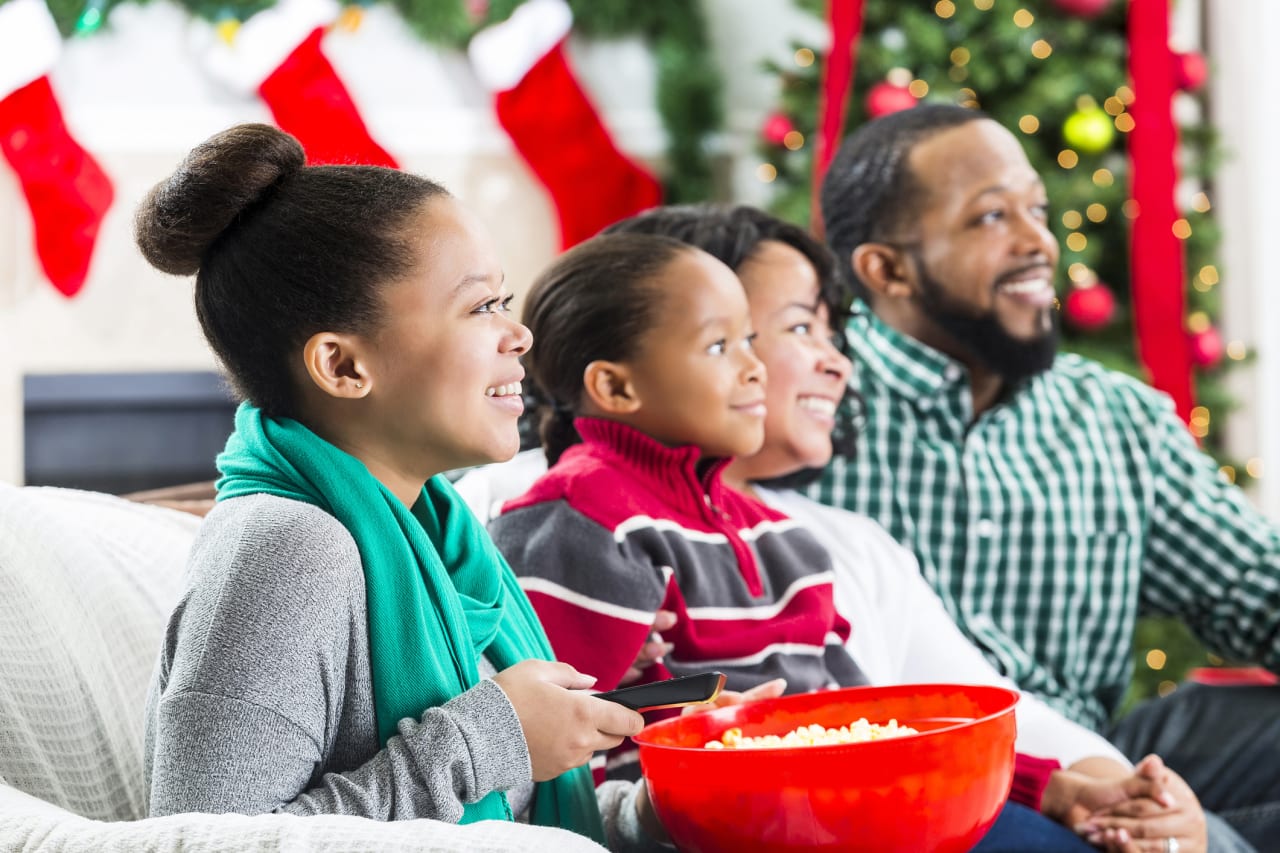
{"x":86,"y":585}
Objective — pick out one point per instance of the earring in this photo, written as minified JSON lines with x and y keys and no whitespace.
{"x":359,"y":384}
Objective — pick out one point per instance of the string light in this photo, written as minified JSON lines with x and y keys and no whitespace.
{"x":1041,"y":49}
{"x":1198,"y":323}
{"x":1227,"y":473}
{"x":1124,"y":122}
{"x":958,"y":73}
{"x":944,"y":9}
{"x":1023,"y":18}
{"x":1199,"y":422}
{"x":1077,"y":241}
{"x":1081,"y":274}
{"x":918,"y":87}
{"x":1131,"y":208}
{"x":899,"y":76}
{"x":1072,"y":219}
{"x":350,"y":18}
{"x":804,"y":57}
{"x":1125,"y":94}
{"x":767,"y":173}
{"x":1068,"y":159}
{"x":1085,"y":102}
{"x":794,"y":140}
{"x":91,"y":18}
{"x":960,"y":56}
{"x":1254,"y":468}
{"x":1200,"y":203}
{"x":1096,"y":212}
{"x":1208,"y":274}
{"x":983,"y":5}
{"x":1103,"y":178}
{"x":1165,"y":688}
{"x":1236,"y":351}
{"x":1156,"y":659}
{"x":1181,"y":229}
{"x":1113,"y":105}
{"x":1028,"y":124}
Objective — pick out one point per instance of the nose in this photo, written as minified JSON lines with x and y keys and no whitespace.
{"x":1034,"y":237}
{"x":518,"y":338}
{"x":753,"y":370}
{"x":833,"y":363}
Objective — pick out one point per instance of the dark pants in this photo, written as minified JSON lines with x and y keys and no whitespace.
{"x":1225,"y":741}
{"x":1019,"y":829}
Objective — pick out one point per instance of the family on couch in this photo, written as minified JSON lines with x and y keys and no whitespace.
{"x":360,"y":312}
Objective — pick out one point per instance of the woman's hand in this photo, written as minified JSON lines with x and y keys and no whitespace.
{"x":1141,"y":824}
{"x":562,"y":723}
{"x":1095,"y":784}
{"x":653,"y":649}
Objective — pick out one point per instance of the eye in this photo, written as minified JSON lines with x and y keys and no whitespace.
{"x":496,"y":305}
{"x":805,"y":328}
{"x":749,"y":342}
{"x":989,"y":217}
{"x":718,"y":348}
{"x":1041,"y":211}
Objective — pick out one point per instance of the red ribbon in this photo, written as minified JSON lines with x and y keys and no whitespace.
{"x":1156,"y":263}
{"x":844,"y":21}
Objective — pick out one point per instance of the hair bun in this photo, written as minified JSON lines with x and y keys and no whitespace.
{"x":184,"y":214}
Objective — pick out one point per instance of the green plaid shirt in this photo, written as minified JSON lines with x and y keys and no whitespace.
{"x":1052,"y":521}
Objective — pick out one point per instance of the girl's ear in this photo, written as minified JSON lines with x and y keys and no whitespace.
{"x":336,"y":365}
{"x":609,"y":388}
{"x":884,"y":270}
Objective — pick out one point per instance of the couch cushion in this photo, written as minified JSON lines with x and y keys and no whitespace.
{"x":87,"y":582}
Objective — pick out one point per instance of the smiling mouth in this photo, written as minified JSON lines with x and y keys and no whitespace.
{"x":818,"y":405}
{"x":507,"y":390}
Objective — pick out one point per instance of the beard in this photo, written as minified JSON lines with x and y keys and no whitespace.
{"x":983,"y":336}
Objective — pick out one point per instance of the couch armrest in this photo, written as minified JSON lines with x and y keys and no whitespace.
{"x":195,"y":498}
{"x":30,"y":824}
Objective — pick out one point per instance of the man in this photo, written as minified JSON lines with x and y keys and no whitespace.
{"x":1050,"y":501}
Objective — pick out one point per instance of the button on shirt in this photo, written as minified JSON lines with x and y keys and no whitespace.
{"x":1050,"y":522}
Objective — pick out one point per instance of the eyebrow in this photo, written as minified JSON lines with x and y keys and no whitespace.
{"x":1037,"y":184}
{"x":471,"y":280}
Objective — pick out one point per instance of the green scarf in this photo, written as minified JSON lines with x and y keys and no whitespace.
{"x":439,"y":593}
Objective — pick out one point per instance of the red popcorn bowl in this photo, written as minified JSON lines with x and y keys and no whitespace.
{"x":939,"y":790}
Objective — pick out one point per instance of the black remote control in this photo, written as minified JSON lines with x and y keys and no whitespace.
{"x":672,"y":693}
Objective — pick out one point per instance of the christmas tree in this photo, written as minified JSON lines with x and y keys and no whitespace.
{"x":1054,"y":72}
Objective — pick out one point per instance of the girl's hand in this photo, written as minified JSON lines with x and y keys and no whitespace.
{"x":768,"y":690}
{"x":1141,"y":825}
{"x":653,"y":649}
{"x":562,"y":724}
{"x":1095,"y":784}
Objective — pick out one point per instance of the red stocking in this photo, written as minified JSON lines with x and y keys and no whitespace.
{"x":553,"y":125}
{"x":277,"y":54}
{"x":66,"y":189}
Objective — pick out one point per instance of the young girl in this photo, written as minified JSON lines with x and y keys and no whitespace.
{"x":349,"y":641}
{"x":597,"y":582}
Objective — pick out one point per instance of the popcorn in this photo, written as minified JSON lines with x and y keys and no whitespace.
{"x":859,"y":731}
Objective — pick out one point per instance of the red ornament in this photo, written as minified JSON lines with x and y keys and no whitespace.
{"x":1206,"y":348}
{"x":1089,"y":308}
{"x":776,"y":127}
{"x":1082,"y":8}
{"x":885,"y":98}
{"x":1190,"y":71}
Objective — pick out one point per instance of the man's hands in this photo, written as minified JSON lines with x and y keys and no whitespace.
{"x":562,"y":723}
{"x":1125,"y":811}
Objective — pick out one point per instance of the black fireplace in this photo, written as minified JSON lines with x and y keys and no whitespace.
{"x":123,"y":432}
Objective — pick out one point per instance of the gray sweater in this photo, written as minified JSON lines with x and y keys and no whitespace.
{"x":262,"y":698}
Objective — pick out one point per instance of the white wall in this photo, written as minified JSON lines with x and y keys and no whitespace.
{"x":133,"y":97}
